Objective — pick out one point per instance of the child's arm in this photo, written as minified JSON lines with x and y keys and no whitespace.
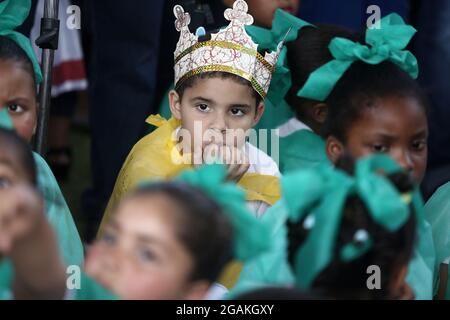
{"x":28,"y":240}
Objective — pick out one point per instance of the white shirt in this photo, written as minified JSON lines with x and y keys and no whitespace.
{"x":260,"y":163}
{"x":291,"y":126}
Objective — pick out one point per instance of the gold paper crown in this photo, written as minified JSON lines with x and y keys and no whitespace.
{"x":230,"y":50}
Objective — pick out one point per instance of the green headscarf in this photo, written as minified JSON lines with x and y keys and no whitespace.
{"x":12,"y":14}
{"x":285,"y":29}
{"x":385,"y":44}
{"x":318,"y":196}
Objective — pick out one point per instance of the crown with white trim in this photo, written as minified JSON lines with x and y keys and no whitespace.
{"x":230,"y":50}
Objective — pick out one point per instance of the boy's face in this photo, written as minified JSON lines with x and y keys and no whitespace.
{"x":11,"y":171}
{"x":263,"y":11}
{"x":139,"y":256}
{"x":396,"y":126}
{"x":218,"y":109}
{"x":17,"y":93}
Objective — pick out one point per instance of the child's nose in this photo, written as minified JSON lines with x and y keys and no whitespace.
{"x":219,"y":124}
{"x":405,"y":161}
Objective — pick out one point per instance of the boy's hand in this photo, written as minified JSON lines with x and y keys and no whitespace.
{"x":21,"y":211}
{"x":236,"y":160}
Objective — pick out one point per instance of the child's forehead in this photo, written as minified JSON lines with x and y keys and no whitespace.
{"x":15,"y":81}
{"x":220,"y":89}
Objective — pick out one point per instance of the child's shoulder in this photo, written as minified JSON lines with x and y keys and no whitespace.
{"x":261,"y":162}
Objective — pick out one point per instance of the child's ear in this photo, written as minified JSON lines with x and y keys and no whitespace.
{"x":175,"y":104}
{"x":334,"y":149}
{"x":258,"y":114}
{"x":197,"y":290}
{"x":320,"y":112}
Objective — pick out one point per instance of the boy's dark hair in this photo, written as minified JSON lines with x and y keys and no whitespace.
{"x":23,"y":150}
{"x":390,"y":250}
{"x":10,"y":50}
{"x":309,"y":52}
{"x":188,"y":83}
{"x":202,"y":227}
{"x":360,"y":87}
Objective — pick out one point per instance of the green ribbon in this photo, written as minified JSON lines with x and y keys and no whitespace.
{"x":251,"y":237}
{"x":12,"y":14}
{"x":285,"y":28}
{"x":386,"y":44}
{"x":322,"y":192}
{"x":5,"y":119}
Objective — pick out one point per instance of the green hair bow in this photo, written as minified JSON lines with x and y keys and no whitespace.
{"x":386,"y":44}
{"x":285,"y":28}
{"x":251,"y":237}
{"x":5,"y":119}
{"x":318,"y":196}
{"x":12,"y":14}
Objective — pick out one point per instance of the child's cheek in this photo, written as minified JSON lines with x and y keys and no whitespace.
{"x":25,"y":125}
{"x":144,"y":286}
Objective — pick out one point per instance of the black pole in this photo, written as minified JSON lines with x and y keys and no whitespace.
{"x":48,"y":42}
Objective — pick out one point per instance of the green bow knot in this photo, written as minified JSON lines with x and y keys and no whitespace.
{"x":322,"y":193}
{"x":12,"y":14}
{"x":251,"y":236}
{"x":384,"y":44}
{"x":285,"y":29}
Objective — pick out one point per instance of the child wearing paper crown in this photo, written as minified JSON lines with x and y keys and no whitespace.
{"x":165,"y":240}
{"x":220,"y":86}
{"x":18,"y":99}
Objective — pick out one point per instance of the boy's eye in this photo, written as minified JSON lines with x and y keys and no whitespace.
{"x":379,"y":148}
{"x":146,"y":255}
{"x":237,"y":112}
{"x":15,"y":108}
{"x":4,"y":183}
{"x":419,"y":145}
{"x":203,"y":107}
{"x":109,"y":238}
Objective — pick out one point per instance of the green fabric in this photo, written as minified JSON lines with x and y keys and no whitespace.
{"x":302,"y":149}
{"x":5,"y":119}
{"x":324,"y":192}
{"x":321,"y":192}
{"x":91,"y":290}
{"x":59,"y":215}
{"x":386,"y":44}
{"x":274,"y":116}
{"x":250,"y":235}
{"x":285,"y":28}
{"x":270,"y":269}
{"x":437,"y":211}
{"x":12,"y":14}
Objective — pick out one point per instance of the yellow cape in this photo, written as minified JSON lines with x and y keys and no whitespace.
{"x":152,"y":159}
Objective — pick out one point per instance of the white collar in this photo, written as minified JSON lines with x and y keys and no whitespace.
{"x":291,"y":126}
